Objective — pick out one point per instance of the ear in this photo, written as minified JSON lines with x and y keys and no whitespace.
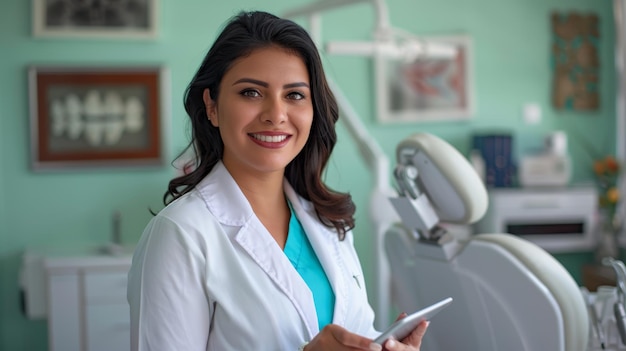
{"x":210,"y":107}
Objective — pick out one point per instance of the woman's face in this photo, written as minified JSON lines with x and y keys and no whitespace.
{"x":264,"y":111}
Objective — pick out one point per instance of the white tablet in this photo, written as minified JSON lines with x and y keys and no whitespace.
{"x":402,"y":328}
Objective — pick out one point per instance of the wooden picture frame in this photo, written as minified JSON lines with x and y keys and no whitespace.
{"x":96,"y":117}
{"x":130,"y":19}
{"x":427,"y":89}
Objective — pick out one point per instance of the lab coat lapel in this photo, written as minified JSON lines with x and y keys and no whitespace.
{"x":230,"y":206}
{"x":260,"y":245}
{"x":325,"y":243}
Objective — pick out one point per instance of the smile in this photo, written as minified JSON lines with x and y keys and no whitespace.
{"x":269,"y":138}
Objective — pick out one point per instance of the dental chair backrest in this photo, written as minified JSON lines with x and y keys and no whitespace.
{"x":509,"y":294}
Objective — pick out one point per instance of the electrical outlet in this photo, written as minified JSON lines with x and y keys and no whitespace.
{"x":531,"y":113}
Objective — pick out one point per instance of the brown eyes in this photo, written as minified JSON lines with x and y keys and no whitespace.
{"x":296,"y":96}
{"x":250,"y":93}
{"x":253,"y":93}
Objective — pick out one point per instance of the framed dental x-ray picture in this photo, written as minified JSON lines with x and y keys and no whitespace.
{"x":112,"y":19}
{"x":96,"y":117}
{"x":426,"y":89}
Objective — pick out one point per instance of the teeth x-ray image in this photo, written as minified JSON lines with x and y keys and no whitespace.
{"x":97,"y":13}
{"x":100,"y":116}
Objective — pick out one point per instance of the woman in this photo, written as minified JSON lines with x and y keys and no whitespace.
{"x":253,"y":251}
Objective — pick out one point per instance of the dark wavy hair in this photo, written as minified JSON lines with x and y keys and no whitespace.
{"x":244,"y":33}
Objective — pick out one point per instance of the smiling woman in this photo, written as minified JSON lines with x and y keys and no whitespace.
{"x":264,"y":121}
{"x":252,"y":247}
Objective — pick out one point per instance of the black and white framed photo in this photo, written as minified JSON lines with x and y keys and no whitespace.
{"x":95,"y":117}
{"x":429,"y":88}
{"x":122,"y":19}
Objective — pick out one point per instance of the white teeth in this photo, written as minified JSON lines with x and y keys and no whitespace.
{"x":269,"y":138}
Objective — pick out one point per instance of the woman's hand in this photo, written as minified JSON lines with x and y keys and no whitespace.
{"x":335,"y":338}
{"x":411,"y":342}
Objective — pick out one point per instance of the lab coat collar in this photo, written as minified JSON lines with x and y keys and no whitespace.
{"x":224,"y":198}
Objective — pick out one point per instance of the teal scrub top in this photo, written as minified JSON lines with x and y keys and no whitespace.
{"x":301,"y":255}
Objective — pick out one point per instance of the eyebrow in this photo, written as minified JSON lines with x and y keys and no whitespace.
{"x":264,"y":84}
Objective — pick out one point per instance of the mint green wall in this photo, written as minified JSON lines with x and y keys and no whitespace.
{"x":511,"y":67}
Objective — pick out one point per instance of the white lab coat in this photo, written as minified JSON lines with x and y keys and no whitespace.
{"x":207,"y":275}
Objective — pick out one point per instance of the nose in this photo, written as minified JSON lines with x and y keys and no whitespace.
{"x":275,"y":111}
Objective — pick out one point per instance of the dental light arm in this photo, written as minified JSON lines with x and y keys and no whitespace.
{"x":375,"y":158}
{"x":436,"y":183}
{"x":389,"y":42}
{"x":315,"y":8}
{"x":408,"y":50}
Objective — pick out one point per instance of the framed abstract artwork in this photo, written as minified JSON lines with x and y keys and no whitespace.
{"x":95,"y":117}
{"x":576,"y":61}
{"x":122,"y":19}
{"x":426,"y":89}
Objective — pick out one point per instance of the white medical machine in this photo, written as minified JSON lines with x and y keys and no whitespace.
{"x":509,"y":293}
{"x":551,"y":167}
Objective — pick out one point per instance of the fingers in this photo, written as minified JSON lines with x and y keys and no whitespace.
{"x":334,"y":337}
{"x":413,"y":342}
{"x":348,"y":339}
{"x":417,"y":334}
{"x":402,"y":315}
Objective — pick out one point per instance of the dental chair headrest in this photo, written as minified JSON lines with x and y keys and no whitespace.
{"x":455,"y":190}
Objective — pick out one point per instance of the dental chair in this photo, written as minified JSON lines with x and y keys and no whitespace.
{"x":509,"y":294}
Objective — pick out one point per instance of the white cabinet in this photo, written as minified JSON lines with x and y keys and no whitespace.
{"x":107,"y":321}
{"x":84,"y":299}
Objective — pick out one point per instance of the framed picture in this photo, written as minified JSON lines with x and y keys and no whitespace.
{"x":426,"y":89}
{"x":89,"y":117}
{"x":106,"y":19}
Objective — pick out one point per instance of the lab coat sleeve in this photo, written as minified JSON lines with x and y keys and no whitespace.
{"x":166,"y":290}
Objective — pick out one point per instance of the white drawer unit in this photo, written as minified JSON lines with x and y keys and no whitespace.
{"x":108,"y":286}
{"x":107,"y":321}
{"x":87,"y":308}
{"x":84,"y":299}
{"x":107,"y":326}
{"x":557,"y":219}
